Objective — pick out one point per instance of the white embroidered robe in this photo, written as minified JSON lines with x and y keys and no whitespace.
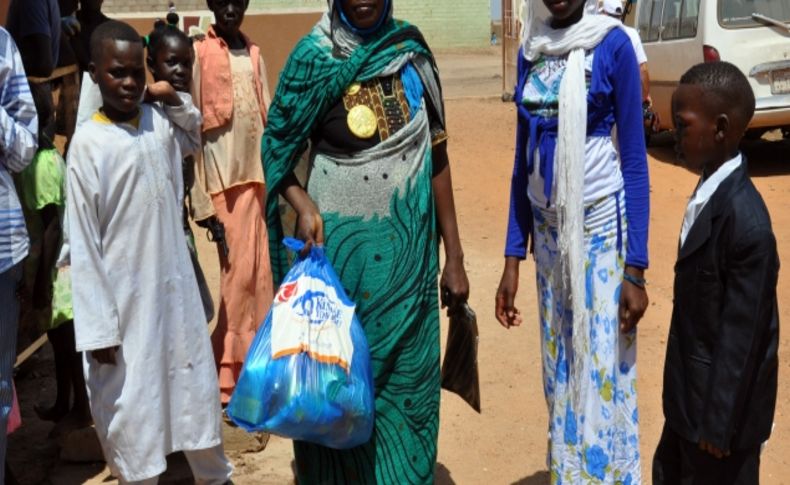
{"x":134,"y":287}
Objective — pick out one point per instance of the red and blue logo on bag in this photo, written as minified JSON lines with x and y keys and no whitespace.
{"x":318,"y":308}
{"x":286,"y":292}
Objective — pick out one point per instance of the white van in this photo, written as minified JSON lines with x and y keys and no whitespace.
{"x":678,"y":34}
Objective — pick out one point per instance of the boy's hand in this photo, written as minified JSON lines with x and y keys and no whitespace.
{"x":162,"y":91}
{"x":105,"y":356}
{"x":712,"y":450}
{"x":633,"y":301}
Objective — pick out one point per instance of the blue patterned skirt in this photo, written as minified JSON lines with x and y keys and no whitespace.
{"x":598,"y":440}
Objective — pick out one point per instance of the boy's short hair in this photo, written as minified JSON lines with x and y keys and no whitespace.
{"x":112,"y":30}
{"x":726,"y":89}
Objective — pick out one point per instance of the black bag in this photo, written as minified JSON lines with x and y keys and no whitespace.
{"x":459,"y":369}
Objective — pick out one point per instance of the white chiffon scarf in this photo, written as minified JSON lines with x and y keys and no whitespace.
{"x":539,"y":38}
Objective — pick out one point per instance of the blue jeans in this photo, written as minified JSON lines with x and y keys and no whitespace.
{"x":9,"y":319}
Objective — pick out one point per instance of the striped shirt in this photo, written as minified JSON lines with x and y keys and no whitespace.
{"x":18,"y":143}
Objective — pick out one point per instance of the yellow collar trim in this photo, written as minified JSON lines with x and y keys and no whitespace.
{"x":102,"y":118}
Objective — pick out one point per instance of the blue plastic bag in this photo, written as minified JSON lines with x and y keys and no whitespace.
{"x":308,"y":375}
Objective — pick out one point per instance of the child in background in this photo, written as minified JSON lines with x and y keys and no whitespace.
{"x":89,"y":17}
{"x":231,"y":90}
{"x":68,"y":86}
{"x":720,"y":375}
{"x":172,"y":16}
{"x":42,"y":192}
{"x":170,"y":58}
{"x":149,"y":368}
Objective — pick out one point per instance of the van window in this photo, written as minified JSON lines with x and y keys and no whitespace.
{"x":680,"y":19}
{"x":650,"y":19}
{"x":738,"y":13}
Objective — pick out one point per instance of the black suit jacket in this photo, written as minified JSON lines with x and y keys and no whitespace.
{"x":720,"y":376}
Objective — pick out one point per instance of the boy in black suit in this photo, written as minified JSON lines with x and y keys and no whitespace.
{"x":720,"y":376}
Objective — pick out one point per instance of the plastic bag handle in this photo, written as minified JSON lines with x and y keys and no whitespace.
{"x":295,"y":245}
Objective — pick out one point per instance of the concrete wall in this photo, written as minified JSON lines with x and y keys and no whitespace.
{"x":123,"y":6}
{"x":445,"y":23}
{"x":269,"y":4}
{"x":449,"y":23}
{"x":276,"y":33}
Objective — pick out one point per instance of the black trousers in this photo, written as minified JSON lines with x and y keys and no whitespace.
{"x":681,"y":462}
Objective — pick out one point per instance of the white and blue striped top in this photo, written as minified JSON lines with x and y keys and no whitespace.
{"x":18,"y":144}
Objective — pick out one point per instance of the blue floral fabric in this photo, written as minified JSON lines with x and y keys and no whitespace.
{"x":598,"y":441}
{"x":541,"y":93}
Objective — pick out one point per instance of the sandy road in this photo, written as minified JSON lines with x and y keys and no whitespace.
{"x":506,"y":444}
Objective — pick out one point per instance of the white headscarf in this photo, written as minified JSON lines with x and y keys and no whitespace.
{"x":539,"y":38}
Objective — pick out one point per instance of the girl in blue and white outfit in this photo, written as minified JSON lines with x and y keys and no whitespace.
{"x":583,"y":196}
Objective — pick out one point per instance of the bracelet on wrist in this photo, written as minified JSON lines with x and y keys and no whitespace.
{"x":635,"y":280}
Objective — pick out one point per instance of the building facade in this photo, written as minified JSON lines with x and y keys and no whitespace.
{"x":445,"y":23}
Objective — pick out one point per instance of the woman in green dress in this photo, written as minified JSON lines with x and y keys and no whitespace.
{"x":362,"y":91}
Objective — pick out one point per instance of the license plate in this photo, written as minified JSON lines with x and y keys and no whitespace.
{"x":780,"y":82}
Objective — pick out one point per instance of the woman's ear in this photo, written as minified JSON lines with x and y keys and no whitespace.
{"x":149,"y":61}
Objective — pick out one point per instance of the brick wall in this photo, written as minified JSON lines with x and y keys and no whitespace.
{"x":449,"y":23}
{"x":445,"y":23}
{"x":127,"y":6}
{"x":264,"y":4}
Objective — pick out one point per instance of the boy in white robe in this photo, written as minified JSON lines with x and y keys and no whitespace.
{"x":138,"y":314}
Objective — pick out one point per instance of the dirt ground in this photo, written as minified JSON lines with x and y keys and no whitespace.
{"x":506,"y":444}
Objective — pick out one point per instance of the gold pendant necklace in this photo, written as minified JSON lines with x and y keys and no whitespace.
{"x":362,"y":121}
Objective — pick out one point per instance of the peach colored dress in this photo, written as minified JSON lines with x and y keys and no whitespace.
{"x":231,"y":174}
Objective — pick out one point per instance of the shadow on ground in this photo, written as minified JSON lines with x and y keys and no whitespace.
{"x":65,"y":474}
{"x":443,"y":476}
{"x":539,"y":478}
{"x":767,"y":157}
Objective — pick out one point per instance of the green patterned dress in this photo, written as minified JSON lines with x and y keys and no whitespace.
{"x":41,"y":184}
{"x":380,"y":234}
